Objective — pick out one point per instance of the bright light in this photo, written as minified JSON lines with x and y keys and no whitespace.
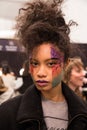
{"x":7,"y":33}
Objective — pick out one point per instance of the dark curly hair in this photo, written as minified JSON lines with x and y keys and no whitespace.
{"x":42,"y":21}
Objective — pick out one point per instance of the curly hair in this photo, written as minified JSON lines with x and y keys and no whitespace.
{"x":42,"y":21}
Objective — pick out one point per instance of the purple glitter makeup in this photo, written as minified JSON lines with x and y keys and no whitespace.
{"x":56,"y":55}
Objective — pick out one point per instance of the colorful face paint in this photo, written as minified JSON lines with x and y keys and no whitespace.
{"x":57,"y":69}
{"x":57,"y":73}
{"x":57,"y":79}
{"x":57,"y":55}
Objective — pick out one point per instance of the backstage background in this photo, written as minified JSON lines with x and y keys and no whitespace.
{"x":15,"y":55}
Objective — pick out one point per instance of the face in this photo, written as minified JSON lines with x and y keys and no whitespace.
{"x":46,"y":66}
{"x":76,"y":77}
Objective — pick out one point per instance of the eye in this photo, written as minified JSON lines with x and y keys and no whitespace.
{"x":34,"y":63}
{"x":79,"y":71}
{"x":51,"y":64}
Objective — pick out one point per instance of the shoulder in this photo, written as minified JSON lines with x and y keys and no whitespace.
{"x":8,"y":113}
{"x":13,"y":104}
{"x":75,"y":103}
{"x":10,"y":106}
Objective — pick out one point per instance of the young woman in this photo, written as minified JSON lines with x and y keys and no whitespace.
{"x":74,"y":75}
{"x":49,"y":103}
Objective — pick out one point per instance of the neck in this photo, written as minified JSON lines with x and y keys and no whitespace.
{"x":55,"y":94}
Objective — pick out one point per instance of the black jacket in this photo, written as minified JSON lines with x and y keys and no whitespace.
{"x":27,"y":81}
{"x":25,"y":111}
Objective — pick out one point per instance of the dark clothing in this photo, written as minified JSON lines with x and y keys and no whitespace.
{"x":27,"y":81}
{"x":25,"y":111}
{"x":84,"y":92}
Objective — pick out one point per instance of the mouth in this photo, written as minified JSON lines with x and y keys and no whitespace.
{"x":42,"y":83}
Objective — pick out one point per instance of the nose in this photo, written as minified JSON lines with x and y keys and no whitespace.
{"x":41,"y":71}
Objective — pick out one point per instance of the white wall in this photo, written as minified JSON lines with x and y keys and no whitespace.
{"x":77,"y":10}
{"x":73,"y":9}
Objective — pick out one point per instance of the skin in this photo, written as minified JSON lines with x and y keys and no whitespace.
{"x":46,"y":69}
{"x":76,"y":77}
{"x":57,"y":68}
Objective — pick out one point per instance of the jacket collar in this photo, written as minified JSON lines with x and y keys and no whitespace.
{"x":31,"y":108}
{"x":76,"y":105}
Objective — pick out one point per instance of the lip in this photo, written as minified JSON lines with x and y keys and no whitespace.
{"x":42,"y":83}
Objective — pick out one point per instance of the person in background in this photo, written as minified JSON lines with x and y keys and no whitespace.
{"x":5,"y":92}
{"x":27,"y":80}
{"x":7,"y":75}
{"x":0,"y":70}
{"x":9,"y":78}
{"x":74,"y":75}
{"x":49,"y":103}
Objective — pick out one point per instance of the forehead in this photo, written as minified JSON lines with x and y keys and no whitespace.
{"x":46,"y":48}
{"x":79,"y":67}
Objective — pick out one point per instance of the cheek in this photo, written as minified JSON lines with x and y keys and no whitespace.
{"x":57,"y":75}
{"x":56,"y":70}
{"x":73,"y":78}
{"x":74,"y":75}
{"x":31,"y":69}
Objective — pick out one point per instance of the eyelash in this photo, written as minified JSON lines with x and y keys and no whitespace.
{"x":49,"y":64}
{"x":34,"y":64}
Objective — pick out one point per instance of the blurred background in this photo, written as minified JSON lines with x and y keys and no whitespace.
{"x":15,"y":55}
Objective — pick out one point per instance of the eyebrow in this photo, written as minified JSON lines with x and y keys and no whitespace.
{"x":45,"y":60}
{"x":55,"y":59}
